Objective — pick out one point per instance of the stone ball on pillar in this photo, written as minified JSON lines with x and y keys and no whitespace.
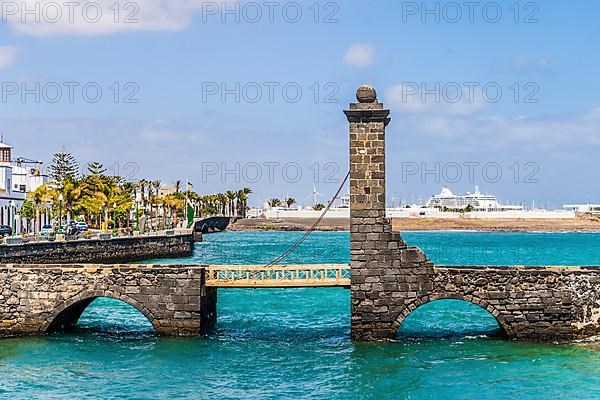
{"x":366,"y":94}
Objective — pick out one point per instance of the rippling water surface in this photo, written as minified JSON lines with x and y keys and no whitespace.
{"x":289,"y":344}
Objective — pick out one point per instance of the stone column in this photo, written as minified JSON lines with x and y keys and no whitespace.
{"x":374,"y":249}
{"x":368,"y":120}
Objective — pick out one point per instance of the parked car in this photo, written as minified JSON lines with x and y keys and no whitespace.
{"x":82,"y":226}
{"x":68,"y":224}
{"x":47,"y":230}
{"x":5,"y":230}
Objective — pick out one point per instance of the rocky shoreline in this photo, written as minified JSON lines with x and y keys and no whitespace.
{"x":290,"y":224}
{"x":426,"y":224}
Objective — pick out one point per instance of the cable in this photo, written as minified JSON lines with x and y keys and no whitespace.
{"x":311,"y":229}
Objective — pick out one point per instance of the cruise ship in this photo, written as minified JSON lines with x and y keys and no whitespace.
{"x":477,"y":201}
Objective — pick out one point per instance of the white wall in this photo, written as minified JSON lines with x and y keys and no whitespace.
{"x":417,"y":213}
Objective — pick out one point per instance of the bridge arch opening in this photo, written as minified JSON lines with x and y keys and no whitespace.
{"x":101,"y":313}
{"x":448,"y":318}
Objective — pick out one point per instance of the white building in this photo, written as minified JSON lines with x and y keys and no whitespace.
{"x":345,"y":201}
{"x":478,"y":201}
{"x":17,"y":178}
{"x":583,"y":208}
{"x":166,"y":190}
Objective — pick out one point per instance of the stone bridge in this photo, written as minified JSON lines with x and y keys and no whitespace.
{"x":36,"y":299}
{"x":389,"y":279}
{"x":532,"y":303}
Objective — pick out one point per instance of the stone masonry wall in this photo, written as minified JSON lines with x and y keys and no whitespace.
{"x":92,"y":251}
{"x":376,"y":254}
{"x":389,"y":279}
{"x":541,"y":303}
{"x":37,"y":298}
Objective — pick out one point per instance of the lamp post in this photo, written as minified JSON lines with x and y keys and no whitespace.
{"x":105,"y":211}
{"x":100,"y":218}
{"x":137,"y":216}
{"x":60,"y":202}
{"x":11,"y":205}
{"x":114,"y":216}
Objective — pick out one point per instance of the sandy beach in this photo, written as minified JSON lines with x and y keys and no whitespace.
{"x":427,"y":224}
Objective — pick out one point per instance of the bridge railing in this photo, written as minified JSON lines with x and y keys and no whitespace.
{"x":280,"y":276}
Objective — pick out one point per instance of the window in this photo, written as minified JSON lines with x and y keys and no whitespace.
{"x":5,"y":155}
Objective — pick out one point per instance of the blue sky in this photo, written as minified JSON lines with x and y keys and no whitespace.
{"x":177,"y":52}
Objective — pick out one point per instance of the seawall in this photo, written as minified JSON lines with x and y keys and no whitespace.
{"x":115,"y":250}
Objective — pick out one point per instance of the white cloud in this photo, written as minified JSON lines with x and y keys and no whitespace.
{"x":55,"y":18}
{"x":525,"y":64}
{"x":548,"y":133}
{"x":160,"y":132}
{"x":360,"y":55}
{"x":8,"y":55}
{"x":434,"y":99}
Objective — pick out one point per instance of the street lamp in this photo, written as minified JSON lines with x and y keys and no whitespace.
{"x":137,"y":214}
{"x":100,"y":218}
{"x":12,"y":214}
{"x":114,"y":216}
{"x":147,"y":219}
{"x":60,"y":202}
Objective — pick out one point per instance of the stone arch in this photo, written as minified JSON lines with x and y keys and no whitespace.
{"x":70,"y":310}
{"x":504,"y":326}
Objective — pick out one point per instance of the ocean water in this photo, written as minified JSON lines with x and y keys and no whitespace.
{"x":294,"y":343}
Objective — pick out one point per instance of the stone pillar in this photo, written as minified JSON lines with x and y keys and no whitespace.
{"x":368,"y":120}
{"x":374,"y":249}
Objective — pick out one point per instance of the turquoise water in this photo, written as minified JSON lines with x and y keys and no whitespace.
{"x":289,"y":344}
{"x":447,"y":248}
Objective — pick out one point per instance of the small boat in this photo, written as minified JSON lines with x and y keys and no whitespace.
{"x":212,"y":224}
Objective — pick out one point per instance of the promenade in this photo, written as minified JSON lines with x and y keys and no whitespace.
{"x":98,"y":248}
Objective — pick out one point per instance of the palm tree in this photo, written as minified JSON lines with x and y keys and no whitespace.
{"x":71,"y":192}
{"x":142,"y":187}
{"x":42,"y":195}
{"x":128,"y":192}
{"x":94,"y":205}
{"x":319,"y":207}
{"x":196,"y":202}
{"x":222,"y":201}
{"x":290,"y":202}
{"x":231,"y":196}
{"x":209,"y":205}
{"x":174,"y":203}
{"x":142,"y":184}
{"x":153,"y":191}
{"x":160,"y":206}
{"x":239,"y":206}
{"x":274,"y":203}
{"x":243,"y":198}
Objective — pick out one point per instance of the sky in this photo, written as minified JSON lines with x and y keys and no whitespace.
{"x":502,"y":95}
